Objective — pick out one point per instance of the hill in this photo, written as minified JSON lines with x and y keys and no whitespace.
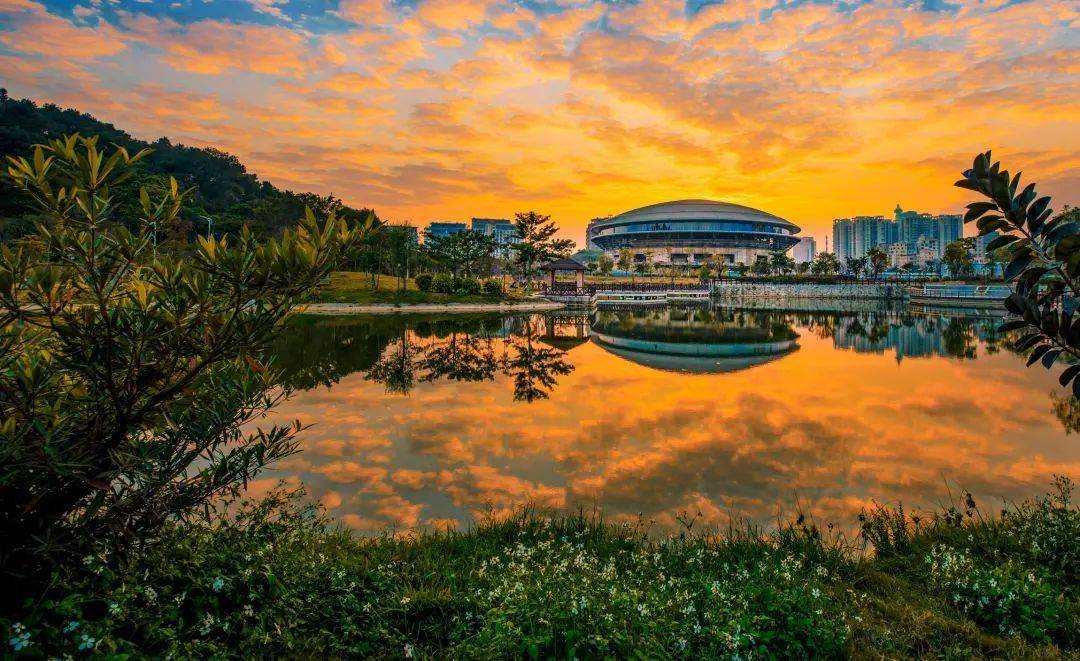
{"x":224,"y":189}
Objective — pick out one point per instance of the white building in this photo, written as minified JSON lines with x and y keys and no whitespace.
{"x":805,"y":250}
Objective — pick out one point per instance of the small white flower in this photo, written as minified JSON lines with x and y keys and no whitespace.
{"x":408,"y":651}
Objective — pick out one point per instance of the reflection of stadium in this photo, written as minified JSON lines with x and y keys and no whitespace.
{"x":692,"y":232}
{"x":693,"y":339}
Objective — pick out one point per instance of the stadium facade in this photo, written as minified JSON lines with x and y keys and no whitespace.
{"x":692,"y":232}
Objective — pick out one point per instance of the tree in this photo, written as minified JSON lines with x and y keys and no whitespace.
{"x":536,"y":243}
{"x":645,"y":266}
{"x":957,"y":258}
{"x":704,"y":272}
{"x":781,"y":262}
{"x":127,"y":378}
{"x":465,"y":252}
{"x":605,"y":264}
{"x":855,"y":265}
{"x":762,"y":265}
{"x":803,"y":268}
{"x":742,"y":269}
{"x":626,"y":260}
{"x":401,"y":251}
{"x":1044,"y":262}
{"x":825,"y":263}
{"x":877,"y":260}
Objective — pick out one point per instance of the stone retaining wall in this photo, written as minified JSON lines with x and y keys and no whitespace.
{"x":739,"y":291}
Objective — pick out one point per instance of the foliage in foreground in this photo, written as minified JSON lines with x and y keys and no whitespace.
{"x":127,"y":374}
{"x":276,"y":579}
{"x":1044,"y":261}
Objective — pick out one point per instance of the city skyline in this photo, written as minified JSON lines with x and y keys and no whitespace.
{"x":434,"y":109}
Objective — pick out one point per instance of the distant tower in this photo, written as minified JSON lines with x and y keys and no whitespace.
{"x":898,"y":211}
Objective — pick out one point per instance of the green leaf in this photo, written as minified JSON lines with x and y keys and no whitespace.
{"x":1017,"y":266}
{"x":1068,"y":374}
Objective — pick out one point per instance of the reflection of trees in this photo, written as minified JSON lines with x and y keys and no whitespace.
{"x":532,"y":365}
{"x":959,"y":338}
{"x":319,"y":351}
{"x":398,"y":354}
{"x":463,"y":357}
{"x":1067,"y":410}
{"x":396,"y":368}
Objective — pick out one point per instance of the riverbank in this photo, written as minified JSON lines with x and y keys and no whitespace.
{"x":736,"y":291}
{"x":426,"y":308}
{"x":277,"y":579}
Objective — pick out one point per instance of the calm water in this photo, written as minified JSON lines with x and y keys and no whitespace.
{"x":730,"y":412}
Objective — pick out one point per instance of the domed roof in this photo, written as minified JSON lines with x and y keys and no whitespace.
{"x":699,"y":210}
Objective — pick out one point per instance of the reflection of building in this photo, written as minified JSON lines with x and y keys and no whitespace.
{"x":693,"y":232}
{"x":912,"y":336}
{"x":442,"y":230}
{"x":694,"y":339}
{"x":805,"y":250}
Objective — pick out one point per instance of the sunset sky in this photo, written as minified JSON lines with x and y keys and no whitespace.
{"x":446,"y":109}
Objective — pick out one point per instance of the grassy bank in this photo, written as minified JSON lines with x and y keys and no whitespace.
{"x":355,"y":288}
{"x":277,"y":579}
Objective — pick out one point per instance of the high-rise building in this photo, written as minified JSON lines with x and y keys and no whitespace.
{"x":501,"y":230}
{"x":843,"y":236}
{"x":440,"y":230}
{"x":805,"y":250}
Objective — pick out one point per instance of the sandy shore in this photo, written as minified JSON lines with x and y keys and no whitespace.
{"x":386,"y":308}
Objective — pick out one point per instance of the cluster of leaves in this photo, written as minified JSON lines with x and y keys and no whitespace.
{"x":275,"y":578}
{"x":1044,"y":261}
{"x":127,"y":375}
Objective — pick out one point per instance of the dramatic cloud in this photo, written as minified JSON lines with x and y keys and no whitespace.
{"x":444,"y":109}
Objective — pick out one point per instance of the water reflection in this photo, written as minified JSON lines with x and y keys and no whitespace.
{"x":399,"y":354}
{"x":694,"y":338}
{"x":421,"y":421}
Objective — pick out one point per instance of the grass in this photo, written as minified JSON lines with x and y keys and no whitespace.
{"x":355,"y":288}
{"x":277,"y":579}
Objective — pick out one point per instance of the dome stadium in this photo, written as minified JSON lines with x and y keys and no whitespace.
{"x":692,"y":232}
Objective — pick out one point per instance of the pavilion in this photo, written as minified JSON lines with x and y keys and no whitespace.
{"x":566,"y":265}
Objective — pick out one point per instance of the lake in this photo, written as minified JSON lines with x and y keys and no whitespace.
{"x":745,"y":413}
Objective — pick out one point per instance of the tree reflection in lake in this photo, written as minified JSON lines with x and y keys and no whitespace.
{"x":401,"y":352}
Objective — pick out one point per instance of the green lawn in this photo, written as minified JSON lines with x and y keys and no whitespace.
{"x":355,"y":288}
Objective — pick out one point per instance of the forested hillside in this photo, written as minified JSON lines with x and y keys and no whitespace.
{"x":224,"y":190}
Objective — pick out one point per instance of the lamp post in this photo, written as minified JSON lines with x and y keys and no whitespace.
{"x":209,"y":226}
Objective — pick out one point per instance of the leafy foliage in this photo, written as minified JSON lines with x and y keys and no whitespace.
{"x":127,"y":375}
{"x":1044,"y":262}
{"x":536,"y":243}
{"x":276,"y":578}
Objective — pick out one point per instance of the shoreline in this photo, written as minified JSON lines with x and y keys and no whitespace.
{"x":403,"y":308}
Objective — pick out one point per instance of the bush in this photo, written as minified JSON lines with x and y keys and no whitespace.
{"x":423,"y":281}
{"x":493,"y":288}
{"x":125,"y":404}
{"x":442,"y":283}
{"x":469,"y":286}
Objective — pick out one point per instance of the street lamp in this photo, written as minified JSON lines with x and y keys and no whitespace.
{"x":209,"y":226}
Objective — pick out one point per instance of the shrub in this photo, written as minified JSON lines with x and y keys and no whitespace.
{"x":423,"y":281}
{"x":125,"y":403}
{"x":469,"y":286}
{"x":493,"y":288}
{"x":442,"y":283}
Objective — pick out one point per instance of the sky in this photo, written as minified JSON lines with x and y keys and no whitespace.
{"x":448,"y":109}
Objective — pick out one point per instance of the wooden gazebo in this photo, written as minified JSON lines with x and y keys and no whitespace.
{"x":566,"y":265}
